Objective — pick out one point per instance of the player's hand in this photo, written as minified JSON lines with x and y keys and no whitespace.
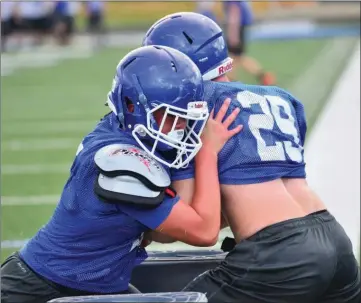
{"x":216,"y":132}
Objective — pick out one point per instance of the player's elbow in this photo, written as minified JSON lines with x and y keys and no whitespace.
{"x":204,"y":233}
{"x":212,"y":240}
{"x":208,"y":241}
{"x":207,"y":237}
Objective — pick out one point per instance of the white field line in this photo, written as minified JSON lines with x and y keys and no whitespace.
{"x":29,"y":200}
{"x":40,"y":144}
{"x":34,"y":169}
{"x":48,"y":128}
{"x":13,"y":244}
{"x":333,"y":151}
{"x":42,"y":57}
{"x":49,"y":55}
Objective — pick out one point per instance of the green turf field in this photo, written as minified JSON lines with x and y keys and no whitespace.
{"x":45,"y":113}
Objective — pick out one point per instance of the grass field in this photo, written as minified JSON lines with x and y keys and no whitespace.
{"x":46,"y":111}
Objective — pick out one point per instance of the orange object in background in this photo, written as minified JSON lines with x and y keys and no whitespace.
{"x":296,"y":3}
{"x":260,"y":7}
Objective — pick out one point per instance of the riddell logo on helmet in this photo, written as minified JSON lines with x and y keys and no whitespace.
{"x":197,"y":105}
{"x":225,"y":68}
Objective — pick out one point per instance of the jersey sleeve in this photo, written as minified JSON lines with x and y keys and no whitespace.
{"x":151,"y":218}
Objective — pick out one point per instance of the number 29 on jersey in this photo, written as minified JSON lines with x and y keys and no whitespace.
{"x":271,"y":115}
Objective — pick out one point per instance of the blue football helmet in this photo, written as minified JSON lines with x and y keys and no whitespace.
{"x":195,"y":35}
{"x":157,"y":77}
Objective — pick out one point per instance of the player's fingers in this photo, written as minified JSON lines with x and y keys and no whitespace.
{"x":229,"y":120}
{"x":234,"y":131}
{"x":222,"y":111}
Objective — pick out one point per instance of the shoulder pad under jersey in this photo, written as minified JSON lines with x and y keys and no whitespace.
{"x":129,"y":175}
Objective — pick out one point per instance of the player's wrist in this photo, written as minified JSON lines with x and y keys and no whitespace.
{"x":208,"y":151}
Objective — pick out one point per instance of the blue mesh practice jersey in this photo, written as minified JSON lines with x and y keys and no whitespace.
{"x":88,"y":244}
{"x":270,"y":146}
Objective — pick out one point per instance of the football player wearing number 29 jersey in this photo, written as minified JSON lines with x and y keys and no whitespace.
{"x":287,"y":246}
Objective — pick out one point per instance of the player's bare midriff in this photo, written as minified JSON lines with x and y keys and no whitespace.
{"x":250,"y":208}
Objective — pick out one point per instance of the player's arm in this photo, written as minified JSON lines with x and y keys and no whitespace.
{"x":185,"y":189}
{"x":197,"y":222}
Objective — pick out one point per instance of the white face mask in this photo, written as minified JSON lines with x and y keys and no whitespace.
{"x":186,"y":141}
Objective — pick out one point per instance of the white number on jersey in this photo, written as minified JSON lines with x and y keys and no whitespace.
{"x":270,"y":106}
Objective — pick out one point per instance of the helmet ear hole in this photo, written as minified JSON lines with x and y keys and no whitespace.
{"x":129,"y":104}
{"x":189,"y":39}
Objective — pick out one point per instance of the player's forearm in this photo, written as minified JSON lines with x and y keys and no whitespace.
{"x":206,"y":199}
{"x":159,"y":237}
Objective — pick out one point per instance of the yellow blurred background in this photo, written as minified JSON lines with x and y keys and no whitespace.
{"x":137,"y":13}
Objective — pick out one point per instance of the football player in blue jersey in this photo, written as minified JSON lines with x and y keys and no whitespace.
{"x":287,"y":247}
{"x":119,"y":184}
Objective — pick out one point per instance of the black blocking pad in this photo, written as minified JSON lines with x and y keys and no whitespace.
{"x":153,"y":297}
{"x":165,"y":271}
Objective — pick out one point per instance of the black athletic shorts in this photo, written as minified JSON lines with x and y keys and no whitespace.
{"x":239,"y":49}
{"x":38,"y":25}
{"x":11,"y":26}
{"x":306,"y":260}
{"x":20,"y":284}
